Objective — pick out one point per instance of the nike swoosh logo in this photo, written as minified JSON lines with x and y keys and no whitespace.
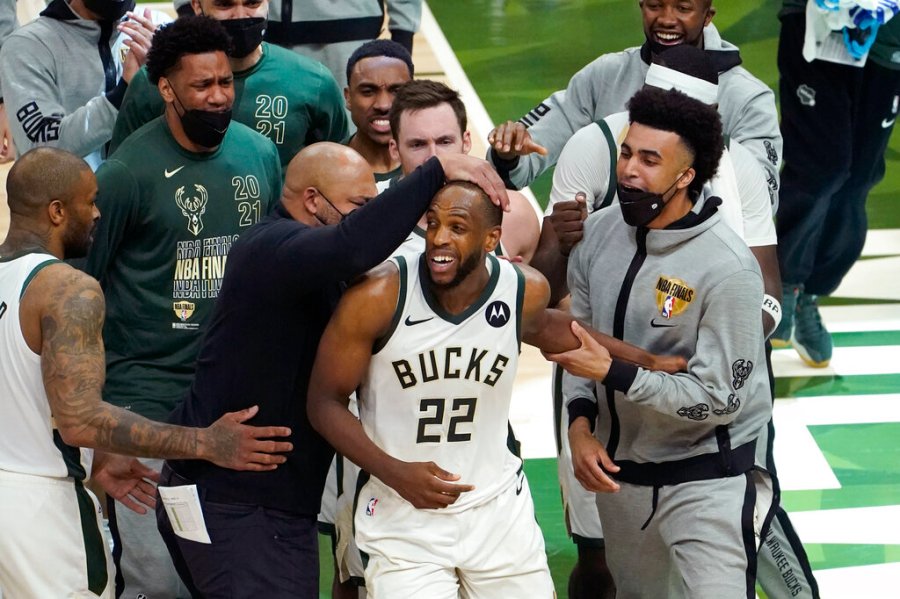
{"x":887,"y":124}
{"x":661,"y":325}
{"x":410,"y":322}
{"x":169,"y":173}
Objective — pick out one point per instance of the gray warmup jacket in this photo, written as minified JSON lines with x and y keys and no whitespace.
{"x":62,"y":83}
{"x":746,"y":104}
{"x":692,"y":289}
{"x":293,"y":22}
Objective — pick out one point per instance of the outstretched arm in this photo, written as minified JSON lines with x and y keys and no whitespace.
{"x":551,"y":331}
{"x":70,"y":311}
{"x":364,"y":315}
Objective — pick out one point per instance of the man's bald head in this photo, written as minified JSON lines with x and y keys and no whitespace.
{"x":327,"y":170}
{"x":41,"y":176}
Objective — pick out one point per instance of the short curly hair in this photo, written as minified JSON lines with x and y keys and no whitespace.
{"x":697,"y":124}
{"x":186,"y":35}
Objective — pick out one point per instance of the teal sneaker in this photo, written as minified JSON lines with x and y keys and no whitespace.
{"x":781,"y":336}
{"x":810,"y":337}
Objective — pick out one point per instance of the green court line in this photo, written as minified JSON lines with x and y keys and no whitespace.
{"x":813,"y":386}
{"x":866,"y":338}
{"x":843,"y":556}
{"x":853,"y":301}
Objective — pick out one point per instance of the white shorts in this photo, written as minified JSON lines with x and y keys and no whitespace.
{"x":52,"y":543}
{"x":492,"y":550}
{"x":336,"y":513}
{"x":336,"y":518}
{"x":579,"y":504}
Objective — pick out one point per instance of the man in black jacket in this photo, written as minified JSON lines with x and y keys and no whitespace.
{"x":282,"y":281}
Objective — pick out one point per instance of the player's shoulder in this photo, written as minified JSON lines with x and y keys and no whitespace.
{"x":147,"y":137}
{"x":59,"y":284}
{"x":728,"y":252}
{"x":28,"y":38}
{"x":302,"y":65}
{"x":741,"y":82}
{"x":617,"y":60}
{"x":241,"y":141}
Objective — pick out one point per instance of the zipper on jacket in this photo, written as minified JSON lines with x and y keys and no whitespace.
{"x":619,"y":330}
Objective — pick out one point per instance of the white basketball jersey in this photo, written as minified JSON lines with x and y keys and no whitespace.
{"x":439,"y":385}
{"x":29,"y":444}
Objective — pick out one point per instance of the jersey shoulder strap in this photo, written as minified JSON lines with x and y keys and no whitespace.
{"x":613,"y":148}
{"x":403,"y":269}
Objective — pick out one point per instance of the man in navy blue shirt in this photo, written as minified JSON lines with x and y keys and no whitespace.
{"x":282,"y":281}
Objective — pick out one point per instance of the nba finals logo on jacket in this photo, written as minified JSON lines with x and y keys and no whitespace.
{"x":192,"y":207}
{"x":673,"y":296}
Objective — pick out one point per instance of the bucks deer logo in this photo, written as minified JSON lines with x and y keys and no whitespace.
{"x":193,"y":207}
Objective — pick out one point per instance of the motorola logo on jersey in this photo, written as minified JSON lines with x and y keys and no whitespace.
{"x":497,"y":314}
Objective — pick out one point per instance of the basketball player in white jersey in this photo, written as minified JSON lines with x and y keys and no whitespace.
{"x":433,"y":343}
{"x":52,"y":367}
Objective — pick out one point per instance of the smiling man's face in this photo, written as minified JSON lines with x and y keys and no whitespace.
{"x":674,"y":22}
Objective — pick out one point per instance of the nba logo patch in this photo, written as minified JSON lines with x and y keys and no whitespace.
{"x":370,"y":507}
{"x":668,"y":306}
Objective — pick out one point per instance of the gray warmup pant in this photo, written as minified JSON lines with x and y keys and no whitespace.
{"x":144,"y":568}
{"x":694,"y":540}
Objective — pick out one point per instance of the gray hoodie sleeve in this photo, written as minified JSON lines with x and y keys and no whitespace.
{"x":7,"y":19}
{"x":575,"y":388}
{"x":728,"y":342}
{"x":755,"y":126}
{"x":35,"y":106}
{"x":404,"y":17}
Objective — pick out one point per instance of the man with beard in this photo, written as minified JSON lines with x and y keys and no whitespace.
{"x":442,"y":505}
{"x":664,"y":270}
{"x":283,"y":279}
{"x":58,"y":89}
{"x":175,"y":197}
{"x":291,"y":99}
{"x":51,"y":375}
{"x":524,"y":149}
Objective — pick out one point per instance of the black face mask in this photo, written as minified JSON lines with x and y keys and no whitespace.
{"x":109,"y":10}
{"x":640,"y":207}
{"x":204,"y":127}
{"x":246,"y":34}
{"x":333,"y":207}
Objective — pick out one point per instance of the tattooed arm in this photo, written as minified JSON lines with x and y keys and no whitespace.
{"x":70,"y":309}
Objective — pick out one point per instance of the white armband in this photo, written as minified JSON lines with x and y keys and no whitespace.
{"x":772,"y":307}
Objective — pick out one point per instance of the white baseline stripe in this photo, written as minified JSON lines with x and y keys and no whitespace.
{"x":479,"y":121}
{"x":871,"y":317}
{"x":879,"y":581}
{"x":850,"y":526}
{"x":842,"y":409}
{"x":845,"y":361}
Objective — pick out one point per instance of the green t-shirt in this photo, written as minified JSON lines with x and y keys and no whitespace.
{"x":291,"y":99}
{"x":790,"y":6}
{"x":886,"y":49}
{"x":168,"y":220}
